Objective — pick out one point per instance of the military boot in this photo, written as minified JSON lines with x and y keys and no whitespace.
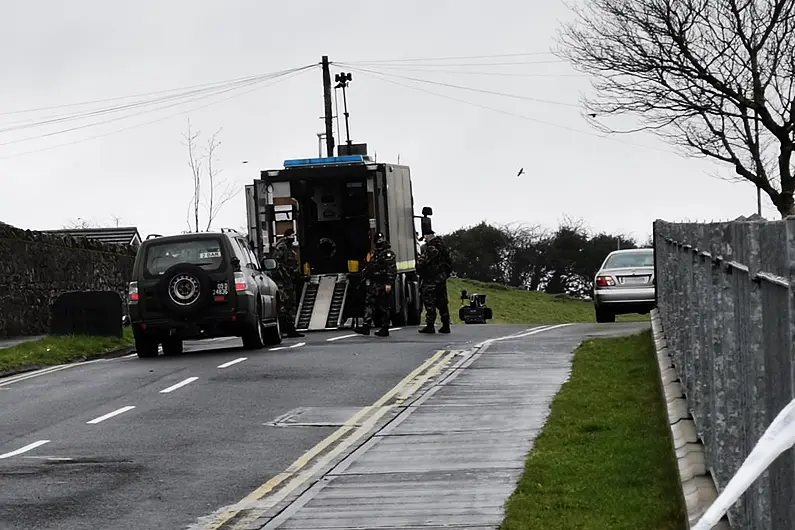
{"x":428,"y":329}
{"x":362,"y":330}
{"x":445,"y":327}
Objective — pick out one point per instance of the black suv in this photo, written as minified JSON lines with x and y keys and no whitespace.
{"x":201,"y":285}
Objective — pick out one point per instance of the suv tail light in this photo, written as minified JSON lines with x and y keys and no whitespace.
{"x":240,"y":282}
{"x":604,"y":281}
{"x":133,"y":292}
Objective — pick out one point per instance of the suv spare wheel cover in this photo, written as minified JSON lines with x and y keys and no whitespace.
{"x":185,"y":288}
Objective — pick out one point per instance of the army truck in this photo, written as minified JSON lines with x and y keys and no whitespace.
{"x":336,"y":205}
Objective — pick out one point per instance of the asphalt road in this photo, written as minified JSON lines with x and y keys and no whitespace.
{"x":159,"y":443}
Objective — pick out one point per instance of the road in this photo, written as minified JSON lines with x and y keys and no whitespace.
{"x":160,"y":443}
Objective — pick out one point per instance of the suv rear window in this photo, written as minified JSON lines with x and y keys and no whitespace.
{"x":629,"y":260}
{"x":206,"y":253}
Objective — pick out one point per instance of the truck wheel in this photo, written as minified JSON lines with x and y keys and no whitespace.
{"x":415,"y":305}
{"x":401,"y":315}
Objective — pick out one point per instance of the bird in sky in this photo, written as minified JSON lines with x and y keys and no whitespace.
{"x":521,"y":172}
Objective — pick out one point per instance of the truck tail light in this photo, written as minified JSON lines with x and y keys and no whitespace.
{"x":133,"y":292}
{"x":604,"y":281}
{"x":240,"y":282}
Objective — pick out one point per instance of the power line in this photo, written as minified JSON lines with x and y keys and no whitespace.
{"x":515,"y":115}
{"x":71,"y":129}
{"x":118,"y":98}
{"x":430,"y":68}
{"x":218,"y":88}
{"x":454,"y":58}
{"x":512,"y":63}
{"x":461,"y":87}
{"x":285,"y":77}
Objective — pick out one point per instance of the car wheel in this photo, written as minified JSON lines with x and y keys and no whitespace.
{"x":273,"y":334}
{"x":252,"y":335}
{"x":145,"y":347}
{"x":172,"y":347}
{"x":604,"y":316}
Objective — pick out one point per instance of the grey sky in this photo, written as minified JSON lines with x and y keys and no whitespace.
{"x":464,"y":159}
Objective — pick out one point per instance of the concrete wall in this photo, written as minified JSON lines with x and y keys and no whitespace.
{"x":36,"y":268}
{"x":725,"y":298}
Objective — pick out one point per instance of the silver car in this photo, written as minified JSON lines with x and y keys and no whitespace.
{"x":625,"y":284}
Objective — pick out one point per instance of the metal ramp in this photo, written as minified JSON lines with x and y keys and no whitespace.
{"x":322,"y":302}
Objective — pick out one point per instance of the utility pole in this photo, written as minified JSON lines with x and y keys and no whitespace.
{"x":327,"y":104}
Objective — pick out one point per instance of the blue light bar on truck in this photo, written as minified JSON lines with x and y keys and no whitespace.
{"x":347,"y":159}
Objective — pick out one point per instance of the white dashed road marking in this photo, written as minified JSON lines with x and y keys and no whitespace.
{"x":25,"y":449}
{"x":332,"y":339}
{"x":230,"y":363}
{"x":298,"y":345}
{"x":110,"y":415}
{"x":178,"y":385}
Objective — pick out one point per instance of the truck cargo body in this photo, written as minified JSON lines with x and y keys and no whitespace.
{"x":336,"y":206}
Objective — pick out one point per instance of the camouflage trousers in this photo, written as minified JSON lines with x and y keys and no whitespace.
{"x":287,"y":301}
{"x":378,"y":306}
{"x":434,"y":298}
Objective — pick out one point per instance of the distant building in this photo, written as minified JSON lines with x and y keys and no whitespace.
{"x":125,"y":236}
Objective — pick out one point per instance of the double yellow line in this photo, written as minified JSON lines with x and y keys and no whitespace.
{"x":368,"y":416}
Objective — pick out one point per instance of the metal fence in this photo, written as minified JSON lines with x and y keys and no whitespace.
{"x":725,"y":296}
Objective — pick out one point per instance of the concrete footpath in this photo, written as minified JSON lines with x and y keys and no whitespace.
{"x":454,"y":455}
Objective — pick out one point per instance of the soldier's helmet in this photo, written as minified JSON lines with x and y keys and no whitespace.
{"x":380,"y":240}
{"x":289,"y":233}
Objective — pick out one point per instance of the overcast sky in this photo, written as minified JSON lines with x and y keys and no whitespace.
{"x":464,"y":159}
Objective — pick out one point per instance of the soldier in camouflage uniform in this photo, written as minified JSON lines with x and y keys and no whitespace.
{"x":379,"y":277}
{"x":289,"y":273}
{"x":434,"y":266}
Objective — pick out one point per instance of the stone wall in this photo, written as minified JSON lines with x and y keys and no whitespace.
{"x":36,"y":268}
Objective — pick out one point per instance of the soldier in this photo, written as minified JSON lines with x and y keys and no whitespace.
{"x":289,"y":274}
{"x":434,"y":266}
{"x":379,"y":277}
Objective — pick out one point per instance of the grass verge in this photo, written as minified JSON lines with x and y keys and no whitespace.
{"x":516,"y":306}
{"x":604,"y":458}
{"x":50,"y":351}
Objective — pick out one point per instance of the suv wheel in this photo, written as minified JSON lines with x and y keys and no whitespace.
{"x":273,"y":334}
{"x":145,"y":346}
{"x":252,"y":334}
{"x":172,"y":347}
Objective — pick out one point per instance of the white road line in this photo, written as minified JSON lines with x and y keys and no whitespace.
{"x":332,"y":339}
{"x":278,"y":348}
{"x":178,"y":385}
{"x":230,"y":363}
{"x":7,"y":381}
{"x":25,"y":449}
{"x":131,"y":355}
{"x":395,"y":329}
{"x":298,"y":345}
{"x":110,"y":415}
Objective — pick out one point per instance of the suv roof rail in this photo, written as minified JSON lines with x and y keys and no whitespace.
{"x":229,"y":230}
{"x":152,"y":236}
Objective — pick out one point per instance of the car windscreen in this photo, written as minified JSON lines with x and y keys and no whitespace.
{"x":630,"y":260}
{"x":206,"y":253}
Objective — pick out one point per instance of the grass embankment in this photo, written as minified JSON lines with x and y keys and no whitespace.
{"x":604,"y":458}
{"x":50,"y":351}
{"x":516,"y":306}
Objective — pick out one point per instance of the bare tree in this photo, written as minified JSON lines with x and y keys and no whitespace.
{"x":218,"y":192}
{"x":715,"y":77}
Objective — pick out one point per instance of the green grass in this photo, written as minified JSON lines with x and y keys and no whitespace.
{"x":604,"y":458}
{"x":516,"y":306}
{"x":50,"y":351}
